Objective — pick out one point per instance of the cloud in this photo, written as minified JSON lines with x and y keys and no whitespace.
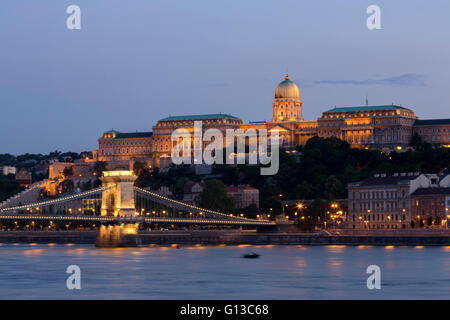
{"x":405,"y":80}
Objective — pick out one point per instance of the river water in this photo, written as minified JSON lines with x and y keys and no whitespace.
{"x":30,"y":271}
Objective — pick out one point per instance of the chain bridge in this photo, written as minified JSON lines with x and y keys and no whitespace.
{"x":119,"y":201}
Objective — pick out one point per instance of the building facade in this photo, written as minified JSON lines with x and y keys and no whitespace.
{"x":114,"y":145}
{"x":5,"y":170}
{"x":430,"y":203}
{"x":23,"y":178}
{"x":399,"y":201}
{"x":377,"y":127}
{"x":383,"y":202}
{"x":243,"y":195}
{"x":386,"y":127}
{"x":434,"y":131}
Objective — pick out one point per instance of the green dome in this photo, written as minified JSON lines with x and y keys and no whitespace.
{"x":287,"y":89}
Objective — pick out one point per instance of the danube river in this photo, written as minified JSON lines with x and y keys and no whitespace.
{"x":36,"y":271}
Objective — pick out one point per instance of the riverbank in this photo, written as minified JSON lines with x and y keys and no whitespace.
{"x":235,"y":238}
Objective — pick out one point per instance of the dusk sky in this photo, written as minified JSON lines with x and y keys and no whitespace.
{"x":134,"y":62}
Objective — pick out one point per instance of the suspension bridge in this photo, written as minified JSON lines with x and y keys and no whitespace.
{"x":119,"y":201}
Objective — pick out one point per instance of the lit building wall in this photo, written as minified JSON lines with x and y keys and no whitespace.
{"x":436,"y":131}
{"x":386,"y":128}
{"x":378,"y":127}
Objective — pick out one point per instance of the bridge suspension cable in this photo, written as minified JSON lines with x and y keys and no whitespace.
{"x":56,"y":201}
{"x":186,"y":206}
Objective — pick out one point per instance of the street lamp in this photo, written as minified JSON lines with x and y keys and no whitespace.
{"x":448,"y":217}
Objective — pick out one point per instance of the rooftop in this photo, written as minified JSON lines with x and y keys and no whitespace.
{"x":240,"y":188}
{"x":128,"y":135}
{"x":201,"y":117}
{"x":431,"y":122}
{"x":387,"y":180}
{"x":431,"y":191}
{"x":367,"y":108}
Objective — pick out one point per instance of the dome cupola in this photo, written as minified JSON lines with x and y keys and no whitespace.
{"x":287,"y":105}
{"x":287,"y":89}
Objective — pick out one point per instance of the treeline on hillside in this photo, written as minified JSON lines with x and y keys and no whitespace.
{"x":319,"y":170}
{"x":8,"y":185}
{"x":28,"y":160}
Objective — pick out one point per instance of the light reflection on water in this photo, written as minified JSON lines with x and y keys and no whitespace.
{"x":206,"y":272}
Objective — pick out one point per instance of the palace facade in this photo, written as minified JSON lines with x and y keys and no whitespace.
{"x":386,"y":127}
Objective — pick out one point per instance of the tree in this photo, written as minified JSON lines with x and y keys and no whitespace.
{"x":312,"y":215}
{"x":438,"y":220}
{"x":269,"y":196}
{"x":66,"y":186}
{"x":99,"y":167}
{"x":68,"y":172}
{"x":87,"y":186}
{"x":139,"y":167}
{"x":421,"y":224}
{"x":214,"y":197}
{"x":333,"y":188}
{"x":8,"y":187}
{"x":144,"y":176}
{"x":178,"y":187}
{"x":250,"y":211}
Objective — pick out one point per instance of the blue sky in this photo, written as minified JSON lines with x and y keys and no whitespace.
{"x":134,"y":62}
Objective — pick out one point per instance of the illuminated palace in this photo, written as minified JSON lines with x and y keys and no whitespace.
{"x":385,"y":128}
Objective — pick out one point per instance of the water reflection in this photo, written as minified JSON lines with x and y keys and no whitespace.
{"x":336,"y":248}
{"x":218,"y":272}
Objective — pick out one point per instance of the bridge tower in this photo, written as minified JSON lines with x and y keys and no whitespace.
{"x":119,"y":200}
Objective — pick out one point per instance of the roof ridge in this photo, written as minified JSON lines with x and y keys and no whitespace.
{"x":364,"y":108}
{"x":200,"y":116}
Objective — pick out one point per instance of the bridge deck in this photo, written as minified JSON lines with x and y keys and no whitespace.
{"x":106,"y":219}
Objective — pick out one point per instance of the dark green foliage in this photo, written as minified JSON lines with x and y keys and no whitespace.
{"x":8,"y":187}
{"x":250,"y":211}
{"x":68,"y":172}
{"x":312,"y":215}
{"x":319,"y":170}
{"x":214,"y":197}
{"x":99,"y":167}
{"x":28,"y":160}
{"x":429,"y":221}
{"x":326,"y":166}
